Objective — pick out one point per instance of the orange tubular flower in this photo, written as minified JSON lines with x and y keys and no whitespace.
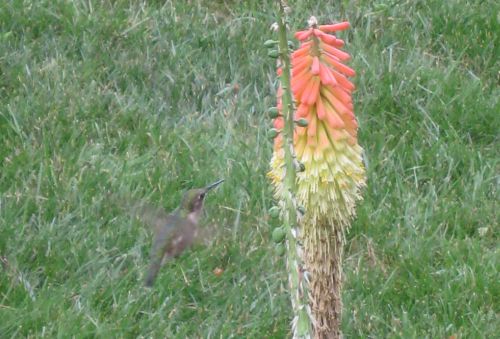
{"x":334,"y":173}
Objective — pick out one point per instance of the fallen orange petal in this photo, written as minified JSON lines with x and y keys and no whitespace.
{"x":218,"y":271}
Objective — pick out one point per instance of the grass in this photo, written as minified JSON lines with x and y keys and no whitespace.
{"x":102,"y":101}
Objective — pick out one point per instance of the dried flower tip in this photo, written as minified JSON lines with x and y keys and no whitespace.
{"x":287,"y":9}
{"x":312,"y":22}
{"x":482,"y":231}
{"x":299,"y":167}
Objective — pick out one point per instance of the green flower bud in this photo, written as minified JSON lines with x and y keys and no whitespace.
{"x":274,"y":211}
{"x":280,"y":249}
{"x":279,"y":235}
{"x":302,"y":122}
{"x":270,"y":43}
{"x":273,"y":112}
{"x":274,"y":53}
{"x":273,"y":133}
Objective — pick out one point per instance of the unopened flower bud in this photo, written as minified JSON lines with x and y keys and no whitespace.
{"x":270,"y":43}
{"x":280,"y":249}
{"x":274,"y":211}
{"x":273,"y":112}
{"x":302,"y":122}
{"x":273,"y":133}
{"x":279,"y":235}
{"x":274,"y":53}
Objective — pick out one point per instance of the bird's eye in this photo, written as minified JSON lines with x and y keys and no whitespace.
{"x":202,"y":195}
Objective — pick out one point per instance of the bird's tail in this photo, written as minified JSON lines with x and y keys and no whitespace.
{"x":152,"y":273}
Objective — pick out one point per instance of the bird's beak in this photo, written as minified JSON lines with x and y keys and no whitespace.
{"x":215,"y":184}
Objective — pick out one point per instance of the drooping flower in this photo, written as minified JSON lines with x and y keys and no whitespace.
{"x":334,"y":174}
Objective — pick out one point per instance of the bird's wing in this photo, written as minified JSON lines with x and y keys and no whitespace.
{"x":154,"y":217}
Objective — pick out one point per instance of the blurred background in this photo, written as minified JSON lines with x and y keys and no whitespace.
{"x":107,"y":102}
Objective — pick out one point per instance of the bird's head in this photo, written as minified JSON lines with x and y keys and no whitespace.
{"x":192,"y":201}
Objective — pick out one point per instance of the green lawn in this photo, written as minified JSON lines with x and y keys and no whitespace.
{"x":104,"y":102}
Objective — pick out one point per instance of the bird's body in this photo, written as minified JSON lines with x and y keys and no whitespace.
{"x":177,"y":231}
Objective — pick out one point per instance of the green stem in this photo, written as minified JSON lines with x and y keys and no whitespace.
{"x":301,"y":323}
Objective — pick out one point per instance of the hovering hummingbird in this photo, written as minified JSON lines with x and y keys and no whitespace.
{"x":178,"y":230}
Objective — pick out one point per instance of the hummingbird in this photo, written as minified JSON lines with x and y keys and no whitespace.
{"x":178,"y":230}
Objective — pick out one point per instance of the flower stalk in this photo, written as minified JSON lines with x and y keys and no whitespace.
{"x":301,"y":324}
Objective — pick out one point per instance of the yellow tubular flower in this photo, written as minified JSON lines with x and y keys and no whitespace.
{"x":334,"y":174}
